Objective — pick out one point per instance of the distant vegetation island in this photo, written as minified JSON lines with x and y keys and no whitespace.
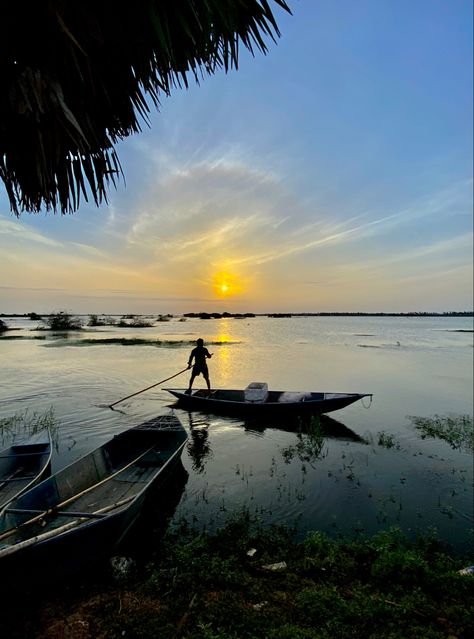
{"x":219,"y":315}
{"x":95,"y":320}
{"x":377,"y":314}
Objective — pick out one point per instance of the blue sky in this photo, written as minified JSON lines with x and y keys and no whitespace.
{"x":333,"y":174}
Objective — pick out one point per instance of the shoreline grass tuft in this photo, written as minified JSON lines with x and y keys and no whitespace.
{"x":28,"y":423}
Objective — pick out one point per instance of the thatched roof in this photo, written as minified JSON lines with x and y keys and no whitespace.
{"x":75,"y":76}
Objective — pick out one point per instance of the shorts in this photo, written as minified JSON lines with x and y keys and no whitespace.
{"x":200,"y":368}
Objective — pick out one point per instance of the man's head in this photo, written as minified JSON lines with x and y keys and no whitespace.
{"x":200,"y":342}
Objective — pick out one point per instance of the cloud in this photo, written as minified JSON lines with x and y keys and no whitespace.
{"x":230,"y":215}
{"x":17,"y":230}
{"x":86,"y":248}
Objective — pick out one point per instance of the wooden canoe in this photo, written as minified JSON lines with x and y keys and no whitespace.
{"x":24,"y":464}
{"x":279,"y":403}
{"x":81,"y":513}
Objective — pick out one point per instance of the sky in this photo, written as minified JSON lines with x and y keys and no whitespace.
{"x":332,"y":174}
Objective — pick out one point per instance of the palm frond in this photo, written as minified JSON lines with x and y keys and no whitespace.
{"x":76,"y":76}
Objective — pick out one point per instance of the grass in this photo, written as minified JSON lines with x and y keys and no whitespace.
{"x":201,"y":586}
{"x":456,"y":430}
{"x":20,"y":337}
{"x":387,"y":440}
{"x":135,"y":341}
{"x":310,"y":444}
{"x":27,"y":423}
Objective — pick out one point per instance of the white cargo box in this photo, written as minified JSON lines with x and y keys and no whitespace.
{"x":256,"y":392}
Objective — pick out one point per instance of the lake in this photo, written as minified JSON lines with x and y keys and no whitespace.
{"x":375,"y":473}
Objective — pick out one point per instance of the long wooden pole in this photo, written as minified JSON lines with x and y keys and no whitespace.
{"x":61,"y":529}
{"x":148,"y":387}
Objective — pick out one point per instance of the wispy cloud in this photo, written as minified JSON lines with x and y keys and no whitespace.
{"x":235,"y":216}
{"x":17,"y":230}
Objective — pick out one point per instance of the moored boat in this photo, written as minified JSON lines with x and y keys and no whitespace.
{"x":82,"y":512}
{"x":24,"y":464}
{"x":257,"y":401}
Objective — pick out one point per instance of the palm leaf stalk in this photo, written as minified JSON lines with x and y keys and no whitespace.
{"x":78,"y":76}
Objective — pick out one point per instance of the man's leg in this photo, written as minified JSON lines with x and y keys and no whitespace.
{"x":191,"y":383}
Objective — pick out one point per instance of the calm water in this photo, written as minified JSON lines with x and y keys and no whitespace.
{"x":413,"y":366}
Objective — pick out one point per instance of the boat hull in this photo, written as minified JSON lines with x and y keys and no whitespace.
{"x":24,"y":464}
{"x":77,"y":532}
{"x":279,"y":403}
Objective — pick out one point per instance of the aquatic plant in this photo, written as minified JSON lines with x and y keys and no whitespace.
{"x":20,"y":337}
{"x":95,"y":320}
{"x":134,"y":341}
{"x":136,"y":322}
{"x":63,"y":321}
{"x":456,"y":430}
{"x":309,"y":446}
{"x":26,"y":423}
{"x":387,"y":440}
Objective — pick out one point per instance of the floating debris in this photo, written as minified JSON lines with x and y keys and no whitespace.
{"x":122,"y":567}
{"x":277,"y":567}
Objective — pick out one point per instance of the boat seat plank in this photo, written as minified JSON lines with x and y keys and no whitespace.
{"x":108,"y":493}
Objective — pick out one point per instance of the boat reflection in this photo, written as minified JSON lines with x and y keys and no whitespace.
{"x":329,"y":427}
{"x":199,"y":424}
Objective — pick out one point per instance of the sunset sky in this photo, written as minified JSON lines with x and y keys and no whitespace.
{"x":333,"y":174}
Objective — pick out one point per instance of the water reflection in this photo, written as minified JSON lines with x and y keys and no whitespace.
{"x":311,"y":433}
{"x":329,"y":427}
{"x":198,"y":446}
{"x":223,"y":362}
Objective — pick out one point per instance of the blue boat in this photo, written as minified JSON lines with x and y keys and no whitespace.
{"x":23,"y":464}
{"x":81,"y":513}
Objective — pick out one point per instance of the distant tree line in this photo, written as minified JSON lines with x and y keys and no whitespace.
{"x":218,"y":315}
{"x":94,"y":320}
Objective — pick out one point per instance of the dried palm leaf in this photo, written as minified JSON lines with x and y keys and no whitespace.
{"x":79,"y":75}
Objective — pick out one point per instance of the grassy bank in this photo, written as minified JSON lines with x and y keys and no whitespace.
{"x":252,"y":582}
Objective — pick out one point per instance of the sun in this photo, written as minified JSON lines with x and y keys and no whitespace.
{"x":226,"y":284}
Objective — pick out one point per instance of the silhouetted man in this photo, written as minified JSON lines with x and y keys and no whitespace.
{"x":200,"y":354}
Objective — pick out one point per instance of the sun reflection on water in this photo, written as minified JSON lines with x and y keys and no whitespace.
{"x":223,"y":362}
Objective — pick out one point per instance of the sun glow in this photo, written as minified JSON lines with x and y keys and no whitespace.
{"x":225,"y":284}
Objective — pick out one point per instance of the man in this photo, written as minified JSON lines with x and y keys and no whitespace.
{"x":199,"y":354}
